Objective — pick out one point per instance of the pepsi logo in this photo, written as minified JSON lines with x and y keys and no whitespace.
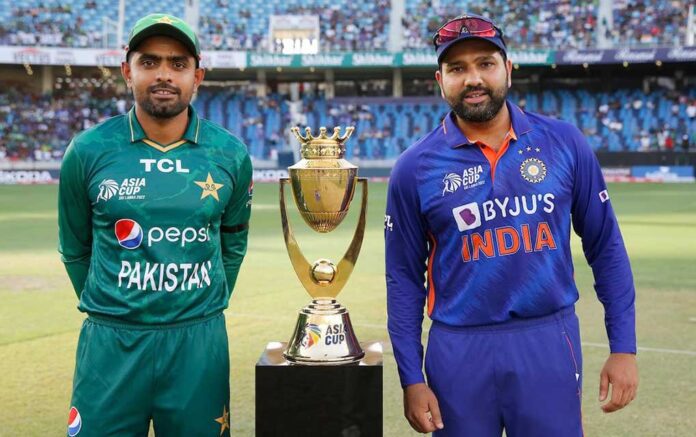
{"x":129,"y":233}
{"x":74,"y":422}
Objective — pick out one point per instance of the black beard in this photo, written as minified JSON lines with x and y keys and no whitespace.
{"x":165,"y":110}
{"x":481,"y":112}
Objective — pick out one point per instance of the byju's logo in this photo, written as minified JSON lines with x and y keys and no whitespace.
{"x":467,"y":216}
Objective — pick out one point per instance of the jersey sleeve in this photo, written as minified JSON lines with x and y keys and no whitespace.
{"x":594,"y":221}
{"x":234,"y":228}
{"x":74,"y":219}
{"x":406,"y":254}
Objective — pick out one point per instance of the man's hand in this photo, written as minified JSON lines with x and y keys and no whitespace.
{"x":621,"y":371}
{"x":421,"y":408}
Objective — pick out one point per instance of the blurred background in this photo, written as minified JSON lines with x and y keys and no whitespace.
{"x":623,"y":71}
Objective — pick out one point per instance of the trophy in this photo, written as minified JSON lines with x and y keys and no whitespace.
{"x":323,"y":184}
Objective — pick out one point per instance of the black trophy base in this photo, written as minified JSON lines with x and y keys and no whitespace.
{"x":319,"y":401}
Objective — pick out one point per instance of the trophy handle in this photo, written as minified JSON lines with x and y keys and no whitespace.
{"x":303,"y":268}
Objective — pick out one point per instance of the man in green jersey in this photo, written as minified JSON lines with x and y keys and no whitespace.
{"x":153,"y":219}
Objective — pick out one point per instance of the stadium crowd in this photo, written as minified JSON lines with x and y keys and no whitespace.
{"x":35,"y":24}
{"x":649,"y":22}
{"x":348,"y":26}
{"x":217,"y":33}
{"x":535,"y":23}
{"x":358,"y":25}
{"x":35,"y":127}
{"x":38,"y":127}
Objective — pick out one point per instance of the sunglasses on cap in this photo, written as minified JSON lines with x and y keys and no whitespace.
{"x":465,"y":25}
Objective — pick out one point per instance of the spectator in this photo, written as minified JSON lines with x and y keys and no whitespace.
{"x":669,"y":143}
{"x":691,"y":109}
{"x":644,"y":141}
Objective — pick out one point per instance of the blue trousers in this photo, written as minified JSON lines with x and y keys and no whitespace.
{"x":524,"y":376}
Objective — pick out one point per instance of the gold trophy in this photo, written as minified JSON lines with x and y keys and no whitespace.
{"x":323,"y":184}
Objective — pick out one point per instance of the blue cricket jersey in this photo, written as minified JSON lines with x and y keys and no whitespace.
{"x":484,"y":238}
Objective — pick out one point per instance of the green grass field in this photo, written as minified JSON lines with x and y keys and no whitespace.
{"x":39,"y":323}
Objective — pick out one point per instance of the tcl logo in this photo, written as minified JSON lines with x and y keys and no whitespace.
{"x":164,"y":165}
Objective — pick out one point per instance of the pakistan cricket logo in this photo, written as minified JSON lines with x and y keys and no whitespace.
{"x":107,"y":189}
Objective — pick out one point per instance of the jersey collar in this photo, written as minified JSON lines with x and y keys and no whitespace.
{"x":454,"y":137}
{"x":191,"y":134}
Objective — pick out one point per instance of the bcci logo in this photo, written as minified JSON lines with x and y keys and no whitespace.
{"x":312,"y":335}
{"x":533,"y":170}
{"x":107,"y":189}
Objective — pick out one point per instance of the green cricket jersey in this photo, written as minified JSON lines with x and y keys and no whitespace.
{"x":153,"y":233}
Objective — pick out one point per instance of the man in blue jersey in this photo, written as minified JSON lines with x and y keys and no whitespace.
{"x":482,"y":207}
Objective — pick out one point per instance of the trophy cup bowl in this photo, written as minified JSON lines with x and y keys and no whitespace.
{"x":323,"y":190}
{"x":323,"y":184}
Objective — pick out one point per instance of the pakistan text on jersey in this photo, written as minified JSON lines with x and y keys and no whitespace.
{"x":164,"y":276}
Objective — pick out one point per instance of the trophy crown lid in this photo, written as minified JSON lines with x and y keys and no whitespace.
{"x":323,"y":146}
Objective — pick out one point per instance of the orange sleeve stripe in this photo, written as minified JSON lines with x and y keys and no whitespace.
{"x":431,"y":282}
